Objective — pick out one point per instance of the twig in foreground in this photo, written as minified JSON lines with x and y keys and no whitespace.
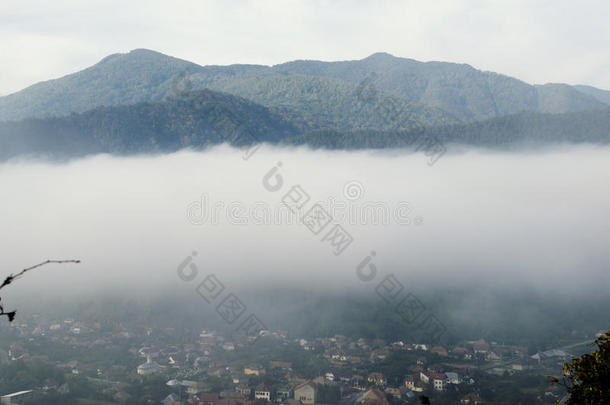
{"x":11,"y":315}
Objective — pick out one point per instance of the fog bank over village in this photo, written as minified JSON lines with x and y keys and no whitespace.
{"x":477,"y":216}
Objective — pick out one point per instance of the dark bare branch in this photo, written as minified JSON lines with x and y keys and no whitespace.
{"x":11,"y":315}
{"x":13,"y":277}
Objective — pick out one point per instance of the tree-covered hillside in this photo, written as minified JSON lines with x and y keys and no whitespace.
{"x":514,"y":131}
{"x":321,"y":93}
{"x":320,"y":102}
{"x":206,"y":117}
{"x":140,"y":75}
{"x":459,"y":89}
{"x":191,"y":120}
{"x":601,"y":95}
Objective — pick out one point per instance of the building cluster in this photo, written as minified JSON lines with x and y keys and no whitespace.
{"x":350,"y":371}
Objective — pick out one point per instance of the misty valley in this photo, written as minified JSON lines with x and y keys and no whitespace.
{"x":371,"y":230}
{"x":200,"y":266}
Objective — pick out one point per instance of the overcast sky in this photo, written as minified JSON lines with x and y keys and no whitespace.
{"x":536,"y":41}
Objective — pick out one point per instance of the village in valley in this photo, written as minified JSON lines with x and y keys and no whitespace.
{"x":114,"y":363}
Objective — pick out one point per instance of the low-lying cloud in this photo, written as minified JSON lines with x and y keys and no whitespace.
{"x":536,"y":219}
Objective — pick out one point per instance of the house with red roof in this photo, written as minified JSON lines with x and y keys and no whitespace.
{"x":440,"y":350}
{"x":306,"y":393}
{"x":373,"y":397}
{"x":438,"y":380}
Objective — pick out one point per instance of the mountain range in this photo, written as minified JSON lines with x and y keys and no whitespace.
{"x":145,"y":101}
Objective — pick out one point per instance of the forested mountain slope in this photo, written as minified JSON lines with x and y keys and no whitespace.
{"x":321,"y":93}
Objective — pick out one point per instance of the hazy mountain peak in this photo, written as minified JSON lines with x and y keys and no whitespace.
{"x":145,"y":51}
{"x":381,"y":55}
{"x":110,"y":57}
{"x":142,"y":56}
{"x":121,"y":78}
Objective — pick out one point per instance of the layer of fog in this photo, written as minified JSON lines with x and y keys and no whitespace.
{"x":473,"y":219}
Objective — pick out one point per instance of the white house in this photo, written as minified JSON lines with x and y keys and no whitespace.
{"x":306,"y":393}
{"x":438,"y":380}
{"x":262,"y":392}
{"x":150,"y":367}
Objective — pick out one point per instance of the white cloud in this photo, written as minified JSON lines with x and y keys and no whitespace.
{"x":538,"y":219}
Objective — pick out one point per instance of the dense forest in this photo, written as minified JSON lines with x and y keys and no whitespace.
{"x":191,"y":120}
{"x":513,"y":131}
{"x":201,"y":118}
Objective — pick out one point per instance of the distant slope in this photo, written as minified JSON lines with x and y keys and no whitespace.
{"x":466,"y":93}
{"x":508,"y":132}
{"x":321,"y":94}
{"x":556,"y":97}
{"x":140,"y":75}
{"x":206,"y":117}
{"x":601,"y":95}
{"x":320,"y":102}
{"x":143,"y":75}
{"x":192,"y":120}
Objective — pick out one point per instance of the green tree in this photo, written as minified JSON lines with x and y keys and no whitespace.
{"x":587,"y":378}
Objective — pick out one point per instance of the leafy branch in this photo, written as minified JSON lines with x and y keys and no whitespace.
{"x":8,"y":280}
{"x":587,"y":378}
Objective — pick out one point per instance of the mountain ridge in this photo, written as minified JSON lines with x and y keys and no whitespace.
{"x":447,"y":90}
{"x":147,"y":102}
